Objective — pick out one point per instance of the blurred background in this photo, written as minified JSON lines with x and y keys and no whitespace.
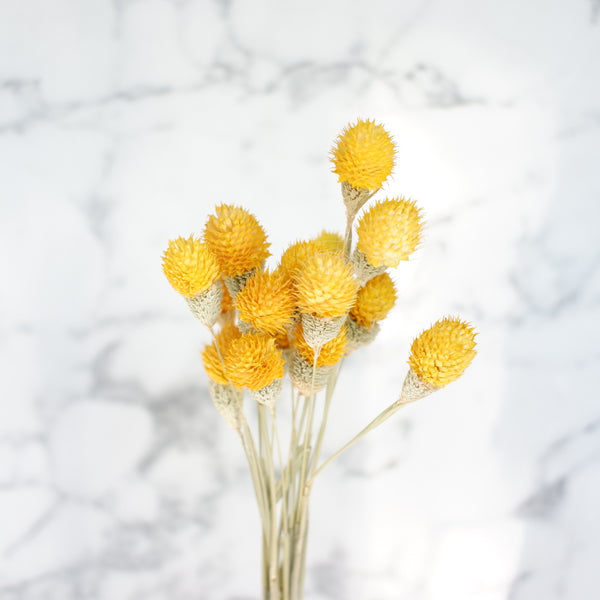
{"x":123,"y":122}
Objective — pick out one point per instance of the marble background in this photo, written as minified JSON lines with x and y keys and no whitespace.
{"x":122,"y":123}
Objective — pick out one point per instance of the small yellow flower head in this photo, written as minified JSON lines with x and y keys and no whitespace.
{"x":211,"y":356}
{"x":325,"y":286}
{"x":253,"y":361}
{"x":330,"y":354}
{"x":296,"y":255}
{"x":330,"y":241}
{"x":363,"y":155}
{"x":267,"y":302}
{"x":389,"y":231}
{"x":237,"y":239}
{"x":190,"y":266}
{"x":442,"y":352}
{"x":374,"y":301}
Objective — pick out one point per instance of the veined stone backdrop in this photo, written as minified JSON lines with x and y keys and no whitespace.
{"x":123,"y":122}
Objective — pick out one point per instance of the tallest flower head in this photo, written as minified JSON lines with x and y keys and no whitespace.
{"x":363,"y":155}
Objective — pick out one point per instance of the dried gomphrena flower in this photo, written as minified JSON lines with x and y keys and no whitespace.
{"x":325,"y":286}
{"x":190,"y":266}
{"x":374,"y":301}
{"x":363,"y":155}
{"x":237,"y":240}
{"x":253,"y":361}
{"x":441,"y":353}
{"x":267,"y":302}
{"x":389,"y":232}
{"x":296,"y":255}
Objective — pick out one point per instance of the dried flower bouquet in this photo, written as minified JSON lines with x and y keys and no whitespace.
{"x":325,"y":299}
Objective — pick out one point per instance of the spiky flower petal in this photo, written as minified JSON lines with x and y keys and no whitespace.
{"x":213,"y":356}
{"x":190,"y":266}
{"x":253,"y":361}
{"x":374,"y":300}
{"x":330,"y":353}
{"x":441,"y":353}
{"x":237,"y":239}
{"x":267,"y":302}
{"x":325,"y":286}
{"x":363,"y":155}
{"x":389,"y":231}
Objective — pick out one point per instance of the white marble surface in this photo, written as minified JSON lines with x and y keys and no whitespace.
{"x":123,"y":122}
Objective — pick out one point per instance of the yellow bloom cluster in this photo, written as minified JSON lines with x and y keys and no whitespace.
{"x":325,"y":299}
{"x":302,"y":304}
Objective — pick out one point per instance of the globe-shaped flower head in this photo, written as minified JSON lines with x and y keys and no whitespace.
{"x":374,"y":300}
{"x":325,"y":286}
{"x":267,"y":302}
{"x":190,"y":266}
{"x":237,"y":239}
{"x":253,"y":361}
{"x":441,"y":353}
{"x":363,"y":155}
{"x":389,"y":231}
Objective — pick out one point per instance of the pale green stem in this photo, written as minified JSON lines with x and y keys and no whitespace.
{"x":283,"y":530}
{"x":307,"y":488}
{"x":273,"y":546}
{"x":328,"y":396}
{"x":250,"y":451}
{"x":302,"y":498}
{"x":378,"y":420}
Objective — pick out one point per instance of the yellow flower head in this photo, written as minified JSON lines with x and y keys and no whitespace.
{"x":389,"y":231}
{"x":330,"y":241}
{"x":190,"y":266}
{"x":253,"y":361}
{"x":296,"y":255}
{"x":331,"y":352}
{"x":363,"y":155}
{"x":237,"y":239}
{"x":442,"y":352}
{"x":374,"y":301}
{"x":212,"y":357}
{"x":325,"y":286}
{"x":267,"y":302}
